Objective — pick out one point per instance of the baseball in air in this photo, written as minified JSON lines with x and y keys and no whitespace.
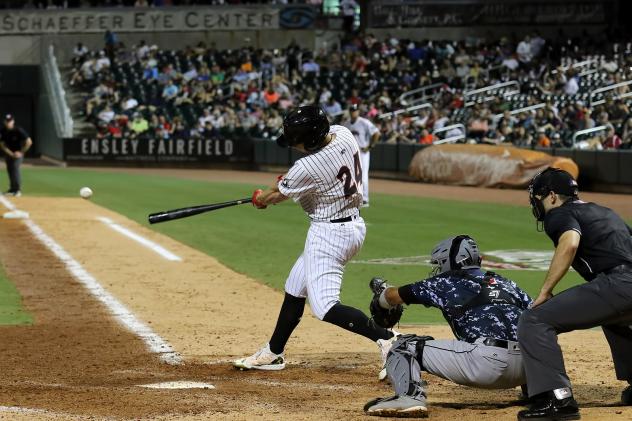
{"x":85,"y":192}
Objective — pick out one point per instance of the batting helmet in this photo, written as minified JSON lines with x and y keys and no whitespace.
{"x":550,"y":180}
{"x":455,"y":253}
{"x":307,"y":125}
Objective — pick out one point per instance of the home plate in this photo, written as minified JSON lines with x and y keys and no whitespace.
{"x":183,"y":384}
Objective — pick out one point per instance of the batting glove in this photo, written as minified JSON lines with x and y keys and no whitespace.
{"x":255,"y":199}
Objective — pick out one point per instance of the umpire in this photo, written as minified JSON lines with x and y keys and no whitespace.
{"x":14,"y":142}
{"x":598,"y":245}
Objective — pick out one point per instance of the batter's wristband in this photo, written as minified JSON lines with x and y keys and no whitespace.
{"x":406,"y":294}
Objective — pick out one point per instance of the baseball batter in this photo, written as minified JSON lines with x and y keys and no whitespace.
{"x":366,"y":134}
{"x":483,"y":310}
{"x":327,"y":183}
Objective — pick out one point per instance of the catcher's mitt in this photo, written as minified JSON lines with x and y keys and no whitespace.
{"x":387,"y":318}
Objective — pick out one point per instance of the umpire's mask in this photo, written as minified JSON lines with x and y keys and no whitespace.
{"x":550,"y":180}
{"x":455,"y":253}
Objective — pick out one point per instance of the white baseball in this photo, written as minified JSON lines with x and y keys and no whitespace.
{"x":85,"y":192}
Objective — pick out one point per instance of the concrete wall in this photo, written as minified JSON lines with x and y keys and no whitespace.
{"x":19,"y":49}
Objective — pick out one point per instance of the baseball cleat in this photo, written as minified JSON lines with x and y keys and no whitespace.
{"x":549,"y":408}
{"x":385,"y":347}
{"x":264,"y":359}
{"x":398,"y":406}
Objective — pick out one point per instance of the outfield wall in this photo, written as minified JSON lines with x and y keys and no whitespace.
{"x":599,"y":170}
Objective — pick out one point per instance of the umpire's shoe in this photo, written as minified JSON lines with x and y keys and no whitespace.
{"x":398,"y":406}
{"x":626,"y":396}
{"x":547,"y":407}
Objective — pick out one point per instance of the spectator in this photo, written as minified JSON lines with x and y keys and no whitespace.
{"x":150,"y":73}
{"x":524,"y":50}
{"x":170,"y":91}
{"x":332,"y":107}
{"x":612,"y":140}
{"x":79,"y":53}
{"x":103,"y":62}
{"x":543,"y":139}
{"x":111,"y":41}
{"x":571,"y":87}
{"x":107,"y":114}
{"x":138,"y":125}
{"x":142,"y":50}
{"x":310,"y":66}
{"x":426,"y":137}
{"x":270,"y":96}
{"x":348,"y":12}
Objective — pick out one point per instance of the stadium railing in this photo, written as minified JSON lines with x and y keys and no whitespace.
{"x":584,"y":132}
{"x":62,"y":116}
{"x":422,"y":91}
{"x":497,"y":117}
{"x":450,"y":139}
{"x":404,"y":110}
{"x":597,"y":96}
{"x":506,"y":89}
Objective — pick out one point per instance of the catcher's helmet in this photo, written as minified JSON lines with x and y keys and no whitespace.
{"x":550,"y":180}
{"x":455,"y":253}
{"x":307,"y":125}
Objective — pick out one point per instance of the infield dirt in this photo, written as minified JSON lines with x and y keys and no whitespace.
{"x":76,"y":361}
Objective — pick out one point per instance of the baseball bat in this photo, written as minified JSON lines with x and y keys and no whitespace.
{"x":170,"y":215}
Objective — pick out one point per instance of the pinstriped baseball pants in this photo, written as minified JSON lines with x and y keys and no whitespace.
{"x":317,"y":273}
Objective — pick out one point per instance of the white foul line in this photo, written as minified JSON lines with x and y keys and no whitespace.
{"x":154,"y":342}
{"x":157,"y":248}
{"x":6,"y":203}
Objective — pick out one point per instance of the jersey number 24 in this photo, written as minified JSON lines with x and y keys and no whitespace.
{"x":344,"y":175}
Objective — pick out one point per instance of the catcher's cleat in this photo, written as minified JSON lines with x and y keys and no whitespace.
{"x":398,"y":406}
{"x":626,"y":396}
{"x":264,"y":359}
{"x":385,"y":347}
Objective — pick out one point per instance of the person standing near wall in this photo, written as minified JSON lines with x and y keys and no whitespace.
{"x":367,"y":135}
{"x":14,"y":142}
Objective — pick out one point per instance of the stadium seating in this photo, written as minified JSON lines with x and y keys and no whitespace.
{"x":378,"y":74}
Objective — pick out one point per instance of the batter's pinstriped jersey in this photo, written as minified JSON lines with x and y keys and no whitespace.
{"x":328,"y":183}
{"x":362,"y":129}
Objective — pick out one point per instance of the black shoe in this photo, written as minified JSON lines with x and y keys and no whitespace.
{"x":626,"y":396}
{"x":549,"y":408}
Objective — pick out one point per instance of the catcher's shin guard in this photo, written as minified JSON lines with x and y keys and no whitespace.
{"x":403,"y":368}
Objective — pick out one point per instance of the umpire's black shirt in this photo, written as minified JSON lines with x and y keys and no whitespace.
{"x":606,"y":240}
{"x":13,"y":138}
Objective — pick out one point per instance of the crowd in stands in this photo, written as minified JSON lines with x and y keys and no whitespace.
{"x":201,"y":90}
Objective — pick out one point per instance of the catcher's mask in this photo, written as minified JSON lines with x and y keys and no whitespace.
{"x":307,"y":125}
{"x":455,"y":253}
{"x":550,"y":180}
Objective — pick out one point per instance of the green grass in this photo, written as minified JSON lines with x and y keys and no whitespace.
{"x":11,"y":310}
{"x":265,"y":244}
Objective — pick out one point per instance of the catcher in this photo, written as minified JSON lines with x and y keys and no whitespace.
{"x":482,"y":308}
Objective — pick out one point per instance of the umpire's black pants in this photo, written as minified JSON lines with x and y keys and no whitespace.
{"x":13,"y":168}
{"x":605,"y":302}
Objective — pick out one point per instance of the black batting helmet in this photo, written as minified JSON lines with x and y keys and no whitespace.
{"x":307,"y":125}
